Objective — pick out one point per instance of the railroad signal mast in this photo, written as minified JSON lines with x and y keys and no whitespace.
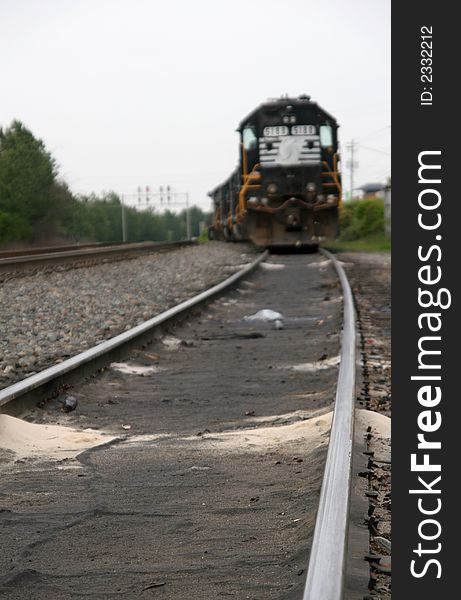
{"x":165,"y":196}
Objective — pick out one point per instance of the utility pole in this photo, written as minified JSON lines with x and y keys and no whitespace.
{"x":352,"y":165}
{"x":122,"y":206}
{"x":188,"y":217}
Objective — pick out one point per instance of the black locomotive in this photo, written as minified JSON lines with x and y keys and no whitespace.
{"x":286,"y":189}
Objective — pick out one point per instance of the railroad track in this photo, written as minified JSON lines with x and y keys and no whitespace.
{"x":370,"y":281}
{"x":225,"y":384}
{"x":55,"y":249}
{"x":16,"y":263}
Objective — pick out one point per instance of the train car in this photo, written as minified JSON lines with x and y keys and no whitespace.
{"x":286,"y":189}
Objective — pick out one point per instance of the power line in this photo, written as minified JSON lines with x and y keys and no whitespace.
{"x":375,"y":133}
{"x":374,"y":149}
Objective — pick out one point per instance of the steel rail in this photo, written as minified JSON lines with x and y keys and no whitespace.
{"x":63,"y":248}
{"x":88,"y":252}
{"x":327,"y":565}
{"x":34,"y":382}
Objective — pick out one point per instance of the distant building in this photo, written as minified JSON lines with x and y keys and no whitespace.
{"x":372,"y":190}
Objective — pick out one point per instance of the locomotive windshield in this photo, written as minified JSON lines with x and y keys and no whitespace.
{"x":249,"y":138}
{"x":326,"y":135}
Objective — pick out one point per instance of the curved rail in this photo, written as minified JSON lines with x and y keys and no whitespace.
{"x":40,"y":379}
{"x":327,"y":565}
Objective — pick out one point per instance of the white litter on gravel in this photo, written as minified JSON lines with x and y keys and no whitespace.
{"x":132,"y":369}
{"x":171,"y":342}
{"x":266,"y":314}
{"x":319,"y":263}
{"x":318,"y":365}
{"x":30,"y":440}
{"x":229,"y":302}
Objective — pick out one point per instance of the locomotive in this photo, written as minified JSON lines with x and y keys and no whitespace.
{"x":286,"y":189}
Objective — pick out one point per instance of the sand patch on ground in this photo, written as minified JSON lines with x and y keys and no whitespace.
{"x":310,"y":429}
{"x":380,"y":424}
{"x":310,"y":433}
{"x":272,"y":266}
{"x":288,"y":418}
{"x":318,"y":365}
{"x":55,"y":442}
{"x":380,"y":428}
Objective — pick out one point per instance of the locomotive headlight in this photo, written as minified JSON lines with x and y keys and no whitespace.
{"x":311,"y":187}
{"x":272,"y":188}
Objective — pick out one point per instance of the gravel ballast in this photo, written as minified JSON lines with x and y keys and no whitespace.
{"x":49,"y":317}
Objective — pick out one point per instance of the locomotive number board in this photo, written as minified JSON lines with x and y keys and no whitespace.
{"x":279,"y":130}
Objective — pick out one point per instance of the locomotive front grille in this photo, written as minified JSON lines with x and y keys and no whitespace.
{"x":290,"y":150}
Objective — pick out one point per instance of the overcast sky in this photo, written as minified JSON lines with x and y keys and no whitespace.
{"x":128,"y":93}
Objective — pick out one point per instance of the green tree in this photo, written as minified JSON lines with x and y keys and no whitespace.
{"x":361,"y":218}
{"x":27,"y":175}
{"x":197,"y":216}
{"x":35,"y":205}
{"x":13,"y":228}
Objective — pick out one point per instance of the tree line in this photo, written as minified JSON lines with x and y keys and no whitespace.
{"x":37,"y":207}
